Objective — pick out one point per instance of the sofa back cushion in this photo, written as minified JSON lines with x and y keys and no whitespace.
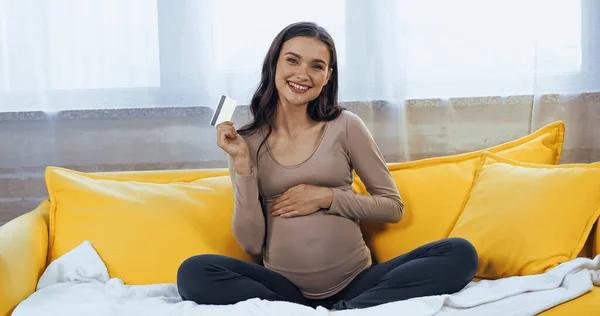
{"x":143,"y":225}
{"x":433,"y":190}
{"x":528,"y":218}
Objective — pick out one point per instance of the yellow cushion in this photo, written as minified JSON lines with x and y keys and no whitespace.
{"x":142,"y":230}
{"x":527,"y":218}
{"x":433,"y":191}
{"x":163,"y":176}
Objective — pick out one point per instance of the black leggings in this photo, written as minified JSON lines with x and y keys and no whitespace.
{"x":440,"y":267}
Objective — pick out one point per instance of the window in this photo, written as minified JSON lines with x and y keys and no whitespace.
{"x":89,"y":54}
{"x":242,"y":36}
{"x":104,"y":44}
{"x":470,"y":47}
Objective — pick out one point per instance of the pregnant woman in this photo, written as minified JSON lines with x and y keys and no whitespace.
{"x":291,"y":168}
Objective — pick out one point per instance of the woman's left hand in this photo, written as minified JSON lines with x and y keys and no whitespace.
{"x":302,"y":199}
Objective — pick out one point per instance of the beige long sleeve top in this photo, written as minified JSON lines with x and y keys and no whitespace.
{"x":322,"y":252}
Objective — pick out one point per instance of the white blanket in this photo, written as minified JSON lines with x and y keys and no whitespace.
{"x":78,"y":284}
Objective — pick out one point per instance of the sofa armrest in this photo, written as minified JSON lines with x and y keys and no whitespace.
{"x":23,"y":252}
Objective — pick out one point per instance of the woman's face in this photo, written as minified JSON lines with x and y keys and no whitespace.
{"x":302,"y":70}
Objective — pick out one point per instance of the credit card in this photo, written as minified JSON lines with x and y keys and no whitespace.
{"x":224,"y":111}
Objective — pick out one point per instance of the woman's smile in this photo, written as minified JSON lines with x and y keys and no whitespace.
{"x":297,"y":88}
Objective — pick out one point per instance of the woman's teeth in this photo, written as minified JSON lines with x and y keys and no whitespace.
{"x":299,"y":87}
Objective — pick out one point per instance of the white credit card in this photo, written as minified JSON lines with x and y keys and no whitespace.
{"x":224,"y":111}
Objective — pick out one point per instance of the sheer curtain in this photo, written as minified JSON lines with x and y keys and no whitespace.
{"x":432,"y":77}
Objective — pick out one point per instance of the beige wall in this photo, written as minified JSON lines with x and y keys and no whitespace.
{"x":181,"y":138}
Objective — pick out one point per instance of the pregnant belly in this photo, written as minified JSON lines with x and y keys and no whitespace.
{"x":316,"y":252}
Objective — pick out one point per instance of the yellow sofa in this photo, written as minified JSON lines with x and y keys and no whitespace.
{"x":138,"y":203}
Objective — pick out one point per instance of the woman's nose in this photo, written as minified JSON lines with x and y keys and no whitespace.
{"x":301,"y":72}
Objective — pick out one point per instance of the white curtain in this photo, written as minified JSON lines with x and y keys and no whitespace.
{"x":451,"y":74}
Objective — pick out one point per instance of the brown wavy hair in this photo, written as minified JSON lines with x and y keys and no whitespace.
{"x":264,"y":101}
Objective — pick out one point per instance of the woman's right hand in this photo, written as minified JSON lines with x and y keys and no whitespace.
{"x":231,"y":142}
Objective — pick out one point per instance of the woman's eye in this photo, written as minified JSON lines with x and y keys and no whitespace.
{"x":292,"y":60}
{"x":318,"y":67}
